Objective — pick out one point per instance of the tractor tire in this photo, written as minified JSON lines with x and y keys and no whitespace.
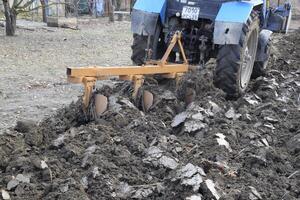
{"x":260,"y":67}
{"x":235,"y":62}
{"x":139,"y":49}
{"x":139,"y":46}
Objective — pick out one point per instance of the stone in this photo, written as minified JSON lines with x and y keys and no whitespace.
{"x":178,"y":119}
{"x":255,"y":193}
{"x":12,"y":184}
{"x":194,"y":197}
{"x":214,"y":107}
{"x":230,"y":114}
{"x":5,"y":195}
{"x":23,"y":178}
{"x":194,"y":181}
{"x":192,"y":126}
{"x":168,"y":162}
{"x":59,"y":141}
{"x":211,"y":187}
{"x":222,"y":142}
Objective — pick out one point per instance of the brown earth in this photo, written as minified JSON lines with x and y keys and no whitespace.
{"x":171,"y":152}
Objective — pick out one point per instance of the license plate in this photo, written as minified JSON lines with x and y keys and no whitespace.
{"x":191,"y":13}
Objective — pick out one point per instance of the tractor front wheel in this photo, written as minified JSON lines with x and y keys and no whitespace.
{"x":235,"y":62}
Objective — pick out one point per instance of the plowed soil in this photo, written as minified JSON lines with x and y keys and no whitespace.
{"x":211,"y":149}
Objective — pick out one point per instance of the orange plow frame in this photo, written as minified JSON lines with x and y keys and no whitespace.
{"x":89,"y":75}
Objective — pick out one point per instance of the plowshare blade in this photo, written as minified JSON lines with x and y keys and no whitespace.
{"x":147,"y":100}
{"x":101,"y":104}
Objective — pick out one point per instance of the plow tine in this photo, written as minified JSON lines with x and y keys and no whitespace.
{"x":101,"y":104}
{"x":147,"y":100}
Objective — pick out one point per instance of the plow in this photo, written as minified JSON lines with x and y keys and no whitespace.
{"x":171,"y":37}
{"x":136,"y":74}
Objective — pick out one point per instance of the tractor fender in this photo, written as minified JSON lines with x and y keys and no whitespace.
{"x":145,"y":15}
{"x":230,"y":20}
{"x":263,"y":45}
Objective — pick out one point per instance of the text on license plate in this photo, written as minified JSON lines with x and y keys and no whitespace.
{"x":191,"y":13}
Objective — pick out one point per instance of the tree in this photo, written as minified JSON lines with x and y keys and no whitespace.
{"x":20,"y":6}
{"x":43,"y":4}
{"x":11,"y":12}
{"x":10,"y":18}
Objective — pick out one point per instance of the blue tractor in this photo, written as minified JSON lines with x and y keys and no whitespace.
{"x":236,"y":33}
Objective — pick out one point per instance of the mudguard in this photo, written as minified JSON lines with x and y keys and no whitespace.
{"x":280,"y":18}
{"x":230,"y":20}
{"x":263,"y":45}
{"x":145,"y":15}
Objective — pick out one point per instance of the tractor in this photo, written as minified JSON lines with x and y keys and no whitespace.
{"x":171,"y":37}
{"x":236,"y":33}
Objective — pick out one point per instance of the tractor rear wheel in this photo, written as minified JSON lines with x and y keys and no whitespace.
{"x":235,"y":62}
{"x":260,"y":67}
{"x":139,"y":46}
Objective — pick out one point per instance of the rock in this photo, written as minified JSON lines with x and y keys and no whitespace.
{"x":84,"y":182}
{"x":142,"y":193}
{"x":254,"y":195}
{"x":214,"y":107}
{"x":123,"y":191}
{"x":95,"y":172}
{"x":59,"y":141}
{"x":154,"y":152}
{"x":168,"y":162}
{"x":189,"y":170}
{"x":250,"y":101}
{"x":270,"y":126}
{"x":12,"y":184}
{"x":44,"y":164}
{"x":271,"y":120}
{"x":178,"y":119}
{"x":5,"y":195}
{"x":198,"y":116}
{"x":194,"y":181}
{"x":230,"y":114}
{"x":23,"y":178}
{"x":192,"y":126}
{"x":194,"y":197}
{"x":64,"y":187}
{"x":190,"y":175}
{"x":25,"y":126}
{"x":209,"y":186}
{"x":156,"y":157}
{"x":222,"y":142}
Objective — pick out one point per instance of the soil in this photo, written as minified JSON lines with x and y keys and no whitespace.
{"x":210,"y":149}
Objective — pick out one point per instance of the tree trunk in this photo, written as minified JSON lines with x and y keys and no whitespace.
{"x":43,"y":3}
{"x":10,"y":19}
{"x":110,"y":11}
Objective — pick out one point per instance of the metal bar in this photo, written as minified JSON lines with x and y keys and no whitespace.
{"x":126,"y":70}
{"x":173,"y":42}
